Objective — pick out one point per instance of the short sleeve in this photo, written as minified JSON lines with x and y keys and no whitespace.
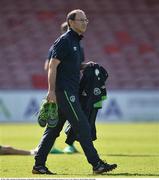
{"x":50,"y":53}
{"x":60,"y":49}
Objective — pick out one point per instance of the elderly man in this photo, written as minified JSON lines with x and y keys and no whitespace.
{"x":63,"y":80}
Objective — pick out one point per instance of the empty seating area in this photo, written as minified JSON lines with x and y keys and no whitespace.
{"x":122,"y":36}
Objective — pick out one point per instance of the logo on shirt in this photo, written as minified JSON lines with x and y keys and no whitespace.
{"x":103,"y":87}
{"x":75,"y":48}
{"x":96,"y":72}
{"x":72,"y":98}
{"x":84,"y":93}
{"x":97,"y":91}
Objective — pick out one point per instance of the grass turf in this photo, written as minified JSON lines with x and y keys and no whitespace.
{"x":134,"y":147}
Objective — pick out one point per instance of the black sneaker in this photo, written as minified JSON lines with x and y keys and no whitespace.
{"x":41,"y":170}
{"x":103,"y":167}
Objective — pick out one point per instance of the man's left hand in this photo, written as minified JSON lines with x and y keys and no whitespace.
{"x":90,"y":64}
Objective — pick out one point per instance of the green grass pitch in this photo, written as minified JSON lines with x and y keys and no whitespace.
{"x":134,"y":147}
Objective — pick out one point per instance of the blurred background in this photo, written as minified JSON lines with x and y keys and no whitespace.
{"x":122,"y":36}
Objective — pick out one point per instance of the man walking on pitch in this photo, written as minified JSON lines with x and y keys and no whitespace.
{"x":63,"y":81}
{"x":71,"y":147}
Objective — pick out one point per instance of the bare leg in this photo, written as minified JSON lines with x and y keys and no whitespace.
{"x":8,"y":150}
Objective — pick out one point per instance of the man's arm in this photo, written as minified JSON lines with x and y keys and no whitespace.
{"x":46,"y":65}
{"x":51,"y":97}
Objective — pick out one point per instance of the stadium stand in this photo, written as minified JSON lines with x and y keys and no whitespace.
{"x":123,"y":36}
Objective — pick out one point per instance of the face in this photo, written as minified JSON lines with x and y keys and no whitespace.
{"x":80,"y":23}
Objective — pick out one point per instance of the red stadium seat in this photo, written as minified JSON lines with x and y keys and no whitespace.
{"x":123,"y":37}
{"x":112,"y":49}
{"x":145,"y":48}
{"x":39,"y":81}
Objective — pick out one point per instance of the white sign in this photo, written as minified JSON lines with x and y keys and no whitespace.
{"x":22,"y":106}
{"x":130,"y":106}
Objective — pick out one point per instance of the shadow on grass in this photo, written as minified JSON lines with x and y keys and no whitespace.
{"x":111,"y":174}
{"x":133,"y":155}
{"x":130,"y":174}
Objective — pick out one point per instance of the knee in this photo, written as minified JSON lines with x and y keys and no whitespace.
{"x":84,"y":128}
{"x":8,"y":150}
{"x":84,"y":135}
{"x":52,"y":132}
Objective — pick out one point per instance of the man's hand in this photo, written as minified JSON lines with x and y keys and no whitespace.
{"x":90,"y":63}
{"x":51,"y":97}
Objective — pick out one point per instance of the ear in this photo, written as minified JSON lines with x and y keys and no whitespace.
{"x":70,"y":22}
